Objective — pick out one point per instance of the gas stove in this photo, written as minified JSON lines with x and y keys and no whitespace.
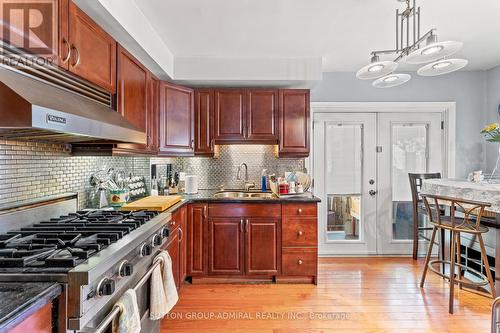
{"x":95,"y":255}
{"x":61,"y":243}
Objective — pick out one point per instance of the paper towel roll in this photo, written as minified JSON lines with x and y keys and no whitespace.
{"x":191,"y":184}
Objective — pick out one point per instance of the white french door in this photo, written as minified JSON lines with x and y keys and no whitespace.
{"x":345,"y":172}
{"x":410,"y":143}
{"x":361,"y":165}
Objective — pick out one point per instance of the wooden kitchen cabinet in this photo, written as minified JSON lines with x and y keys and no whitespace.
{"x":226,"y":246}
{"x":262,"y":115}
{"x":173,"y":249}
{"x":154,"y":115}
{"x":183,"y":244}
{"x":229,"y":115}
{"x":294,"y":123}
{"x":93,"y":51}
{"x":197,"y":230}
{"x":133,"y":93}
{"x":263,"y":246}
{"x":204,"y":122}
{"x":176,"y":120}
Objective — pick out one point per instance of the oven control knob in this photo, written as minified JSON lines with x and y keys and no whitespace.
{"x":125,"y":269}
{"x":106,"y":287}
{"x":165,"y":232}
{"x":146,"y":249}
{"x":157,"y":239}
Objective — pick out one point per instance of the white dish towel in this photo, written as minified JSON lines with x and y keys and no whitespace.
{"x":129,"y":320}
{"x":163,"y":290}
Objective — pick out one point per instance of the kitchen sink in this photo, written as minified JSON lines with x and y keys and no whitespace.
{"x":245,"y":195}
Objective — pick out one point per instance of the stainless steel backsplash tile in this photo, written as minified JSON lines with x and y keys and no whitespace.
{"x":30,"y":170}
{"x":214,"y":172}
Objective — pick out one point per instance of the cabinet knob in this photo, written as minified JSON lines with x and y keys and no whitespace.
{"x":299,"y":210}
{"x":300,"y":233}
{"x":300,"y":262}
{"x":172,"y":223}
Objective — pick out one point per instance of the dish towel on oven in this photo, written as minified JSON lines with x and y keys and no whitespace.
{"x":163,"y":290}
{"x":129,"y":320}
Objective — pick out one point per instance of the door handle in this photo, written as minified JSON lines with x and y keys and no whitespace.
{"x":372,"y":192}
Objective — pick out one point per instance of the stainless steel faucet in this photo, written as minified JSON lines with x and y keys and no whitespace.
{"x":248,"y":185}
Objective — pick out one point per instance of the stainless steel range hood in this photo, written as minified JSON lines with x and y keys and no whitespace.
{"x":34,"y":108}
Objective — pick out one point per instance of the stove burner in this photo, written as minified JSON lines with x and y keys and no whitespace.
{"x":66,"y":241}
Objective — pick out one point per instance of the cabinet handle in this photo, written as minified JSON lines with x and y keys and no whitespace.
{"x":300,"y":233}
{"x":181,"y":235}
{"x":205,"y":211}
{"x":241,"y":225}
{"x":66,"y":43}
{"x":172,"y":223}
{"x":300,"y":262}
{"x":246,"y":225}
{"x":77,"y":62}
{"x":299,"y":210}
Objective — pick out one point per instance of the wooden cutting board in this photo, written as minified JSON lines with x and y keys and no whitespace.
{"x":156,"y":203}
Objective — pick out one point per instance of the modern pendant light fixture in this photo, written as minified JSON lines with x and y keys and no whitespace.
{"x":442,"y":67}
{"x":391,"y":80}
{"x":412,"y":48}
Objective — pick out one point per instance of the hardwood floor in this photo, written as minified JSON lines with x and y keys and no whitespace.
{"x":365,"y":295}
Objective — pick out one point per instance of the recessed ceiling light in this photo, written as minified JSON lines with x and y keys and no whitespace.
{"x":391,"y":80}
{"x":442,"y":67}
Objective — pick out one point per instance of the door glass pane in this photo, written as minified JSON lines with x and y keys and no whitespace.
{"x":343,"y":156}
{"x":409,"y":155}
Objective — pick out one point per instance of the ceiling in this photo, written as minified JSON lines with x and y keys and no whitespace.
{"x":341,"y":32}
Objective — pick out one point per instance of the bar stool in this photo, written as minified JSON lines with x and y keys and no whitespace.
{"x":457,"y":225}
{"x":418,"y":207}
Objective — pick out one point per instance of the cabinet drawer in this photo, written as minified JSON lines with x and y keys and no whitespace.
{"x":240,"y":210}
{"x":300,"y":209}
{"x":299,"y":261}
{"x":300,"y":231}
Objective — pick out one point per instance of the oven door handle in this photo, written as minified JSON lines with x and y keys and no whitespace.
{"x":116,"y":309}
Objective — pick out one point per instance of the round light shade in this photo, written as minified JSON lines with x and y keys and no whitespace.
{"x":433,"y":52}
{"x":391,"y":80}
{"x":442,"y":67}
{"x":376,"y":69}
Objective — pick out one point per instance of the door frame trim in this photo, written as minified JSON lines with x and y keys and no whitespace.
{"x":448,"y":109}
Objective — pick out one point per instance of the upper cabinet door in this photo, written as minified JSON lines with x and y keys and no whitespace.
{"x":294,"y":123}
{"x":154,"y":114}
{"x":93,"y":51}
{"x":204,"y":122}
{"x":229,"y":115}
{"x":132,"y":97}
{"x":262,"y":115}
{"x":176,"y":120}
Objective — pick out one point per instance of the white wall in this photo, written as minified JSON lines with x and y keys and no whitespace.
{"x":492,"y":103}
{"x":467,"y":89}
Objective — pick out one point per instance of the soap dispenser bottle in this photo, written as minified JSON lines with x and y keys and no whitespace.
{"x":264,"y":180}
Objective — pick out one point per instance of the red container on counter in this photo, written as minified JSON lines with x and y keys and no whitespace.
{"x":283,"y":188}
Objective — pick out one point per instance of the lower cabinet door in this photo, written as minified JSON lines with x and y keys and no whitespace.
{"x":226,"y":246}
{"x":300,"y":261}
{"x":173,"y":247}
{"x":263,"y":246}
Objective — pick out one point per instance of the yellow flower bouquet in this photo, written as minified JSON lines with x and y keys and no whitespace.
{"x":491,"y":132}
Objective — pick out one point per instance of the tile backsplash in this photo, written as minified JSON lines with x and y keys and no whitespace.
{"x":31,"y":170}
{"x":214,"y":172}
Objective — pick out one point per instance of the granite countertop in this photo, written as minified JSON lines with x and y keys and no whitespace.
{"x":208,"y":196}
{"x":21,"y":299}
